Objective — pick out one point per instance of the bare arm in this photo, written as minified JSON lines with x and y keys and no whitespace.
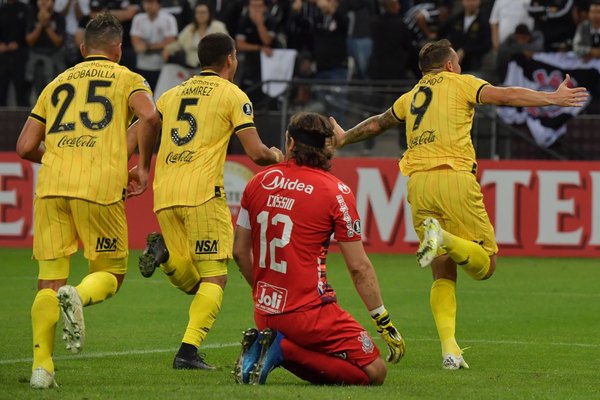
{"x":242,"y":252}
{"x":256,"y":149}
{"x":243,"y":45}
{"x":29,"y":145}
{"x":495,"y":36}
{"x":516,"y":96}
{"x":362,"y":273}
{"x":163,"y":44}
{"x":125,"y":15}
{"x":147,"y":128}
{"x":132,"y":140}
{"x":372,"y":126}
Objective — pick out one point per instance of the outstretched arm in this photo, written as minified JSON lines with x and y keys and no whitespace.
{"x":516,"y":96}
{"x":258,"y":152}
{"x":372,"y":126}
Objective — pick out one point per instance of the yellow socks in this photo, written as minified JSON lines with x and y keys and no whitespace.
{"x":44,"y":316}
{"x":443,"y":307}
{"x":468,"y":255}
{"x":97,"y":287}
{"x":203,"y":312}
{"x":181,"y":272}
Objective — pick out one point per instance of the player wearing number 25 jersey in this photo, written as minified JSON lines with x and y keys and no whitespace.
{"x":445,"y":198}
{"x":288,"y":215}
{"x":199,"y":117}
{"x":82,"y":118}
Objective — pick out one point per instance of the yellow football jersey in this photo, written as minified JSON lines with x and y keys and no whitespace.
{"x":86,"y":114}
{"x":439,"y":114}
{"x":198,"y":118}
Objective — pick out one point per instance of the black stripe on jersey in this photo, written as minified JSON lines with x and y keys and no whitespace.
{"x":97,"y":58}
{"x":35,"y":116}
{"x":138,"y":90}
{"x":208,"y":73}
{"x":479,"y":92}
{"x":243,"y":126}
{"x":395,"y":116}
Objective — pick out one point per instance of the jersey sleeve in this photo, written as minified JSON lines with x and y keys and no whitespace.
{"x":471,"y":88}
{"x":139,"y":83}
{"x":347,"y":227}
{"x":398,"y":108}
{"x":39,"y":110}
{"x":242,"y":113}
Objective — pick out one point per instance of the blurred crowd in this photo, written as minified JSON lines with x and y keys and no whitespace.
{"x":335,"y":39}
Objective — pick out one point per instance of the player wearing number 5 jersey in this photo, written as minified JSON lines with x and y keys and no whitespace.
{"x":78,"y":132}
{"x":199,"y":117}
{"x":288,"y":215}
{"x":446,"y":201}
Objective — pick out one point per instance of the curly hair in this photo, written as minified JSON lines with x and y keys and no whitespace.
{"x":313,"y":138}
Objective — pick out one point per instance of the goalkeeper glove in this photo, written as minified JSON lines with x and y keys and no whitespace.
{"x":390,"y":335}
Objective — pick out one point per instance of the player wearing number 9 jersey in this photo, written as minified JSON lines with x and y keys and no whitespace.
{"x":199,"y":117}
{"x":446,"y":201}
{"x":288,"y":214}
{"x":78,"y":131}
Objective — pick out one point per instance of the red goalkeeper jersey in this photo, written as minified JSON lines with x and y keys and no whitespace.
{"x":292,"y":213}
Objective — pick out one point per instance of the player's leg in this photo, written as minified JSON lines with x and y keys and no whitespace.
{"x":210,"y":243}
{"x":170,"y":251}
{"x":54,"y":240}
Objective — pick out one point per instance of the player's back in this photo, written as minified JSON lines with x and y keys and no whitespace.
{"x":199,"y":116}
{"x":293,"y":211}
{"x":439,"y":114}
{"x":86,"y":113}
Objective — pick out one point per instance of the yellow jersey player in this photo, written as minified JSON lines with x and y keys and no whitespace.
{"x":198,"y":118}
{"x":446,"y":201}
{"x":77,"y":131}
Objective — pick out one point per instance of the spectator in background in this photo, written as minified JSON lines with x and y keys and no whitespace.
{"x":45,"y":37}
{"x":184,"y":50}
{"x":425,"y":18}
{"x":360,"y":43}
{"x":228,"y":12}
{"x":301,"y":22}
{"x":523,"y":41}
{"x":124,"y":11}
{"x":151,"y":32}
{"x":586,"y":42}
{"x":554,"y":19}
{"x":73,"y":11}
{"x":256,"y":34}
{"x":96,"y":6}
{"x":13,"y":51}
{"x":469,"y":32}
{"x":180,"y":9}
{"x":505,"y":16}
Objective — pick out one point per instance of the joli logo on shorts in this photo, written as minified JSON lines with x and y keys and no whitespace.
{"x":269,"y":298}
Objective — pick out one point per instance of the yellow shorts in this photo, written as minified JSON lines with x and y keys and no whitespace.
{"x":454,"y":198}
{"x":60,"y":221}
{"x":202,"y":233}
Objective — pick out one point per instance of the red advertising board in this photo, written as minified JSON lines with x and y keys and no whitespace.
{"x":538,"y":208}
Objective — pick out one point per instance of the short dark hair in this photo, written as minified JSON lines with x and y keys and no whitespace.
{"x":434,"y":55}
{"x":214,"y":48}
{"x":103,"y":31}
{"x":313,"y":136}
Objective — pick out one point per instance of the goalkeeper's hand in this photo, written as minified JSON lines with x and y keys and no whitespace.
{"x":391,"y":336}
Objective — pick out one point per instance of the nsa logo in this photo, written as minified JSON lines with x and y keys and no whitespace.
{"x":207,"y":246}
{"x":104,"y":244}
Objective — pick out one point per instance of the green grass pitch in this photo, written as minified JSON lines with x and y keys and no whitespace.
{"x":532,"y":332}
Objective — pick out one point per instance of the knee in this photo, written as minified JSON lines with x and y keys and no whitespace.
{"x":376,"y":371}
{"x":443,"y":267}
{"x":492,"y":268}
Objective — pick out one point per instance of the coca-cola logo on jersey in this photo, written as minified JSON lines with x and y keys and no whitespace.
{"x":274,"y":179}
{"x":185,"y":156}
{"x":79,"y":141}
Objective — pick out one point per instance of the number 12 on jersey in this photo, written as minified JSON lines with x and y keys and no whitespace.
{"x":264,"y":220}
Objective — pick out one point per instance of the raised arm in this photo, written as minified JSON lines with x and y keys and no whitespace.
{"x":516,"y":96}
{"x":372,"y":126}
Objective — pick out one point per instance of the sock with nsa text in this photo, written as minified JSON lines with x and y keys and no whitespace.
{"x":443,"y":307}
{"x":97,"y":287}
{"x":319,"y":368}
{"x":44,"y":316}
{"x":203,"y":313}
{"x":470,"y":256}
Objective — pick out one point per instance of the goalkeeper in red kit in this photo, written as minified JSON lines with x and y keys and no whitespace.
{"x":288,"y":214}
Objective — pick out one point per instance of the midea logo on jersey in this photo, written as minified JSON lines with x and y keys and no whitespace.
{"x":274,"y":179}
{"x":343,"y":188}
